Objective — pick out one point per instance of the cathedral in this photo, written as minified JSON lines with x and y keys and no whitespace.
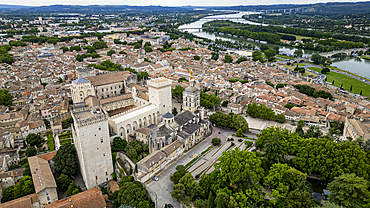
{"x":114,"y":104}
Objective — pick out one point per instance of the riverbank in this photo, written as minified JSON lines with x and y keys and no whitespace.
{"x":342,"y":79}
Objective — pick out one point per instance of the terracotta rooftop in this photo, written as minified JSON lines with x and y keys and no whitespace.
{"x":23,"y":202}
{"x":87,"y":199}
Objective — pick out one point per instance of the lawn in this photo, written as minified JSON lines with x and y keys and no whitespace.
{"x":298,"y":37}
{"x":284,"y":56}
{"x":305,"y":74}
{"x":365,"y":57}
{"x":347,"y":81}
{"x":50,"y":142}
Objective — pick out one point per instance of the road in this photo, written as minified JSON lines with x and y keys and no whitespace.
{"x":163,"y":187}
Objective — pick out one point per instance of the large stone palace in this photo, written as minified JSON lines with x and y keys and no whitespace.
{"x":114,"y":104}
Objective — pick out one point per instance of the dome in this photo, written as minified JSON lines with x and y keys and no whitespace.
{"x":168,"y":115}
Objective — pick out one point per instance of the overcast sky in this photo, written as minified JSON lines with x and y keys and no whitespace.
{"x":163,"y":2}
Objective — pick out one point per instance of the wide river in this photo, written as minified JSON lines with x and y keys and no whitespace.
{"x":355,"y":65}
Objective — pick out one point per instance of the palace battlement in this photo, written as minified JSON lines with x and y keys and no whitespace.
{"x":159,"y":82}
{"x":86,"y":116}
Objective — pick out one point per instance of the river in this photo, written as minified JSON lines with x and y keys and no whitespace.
{"x":354,"y":65}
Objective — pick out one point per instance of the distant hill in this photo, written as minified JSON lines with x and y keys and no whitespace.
{"x":6,"y":6}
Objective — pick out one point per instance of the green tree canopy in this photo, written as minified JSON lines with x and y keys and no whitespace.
{"x":118,"y":144}
{"x":35,"y":140}
{"x":5,"y":97}
{"x":66,"y":160}
{"x":31,"y":151}
{"x":349,"y":191}
{"x":111,"y":52}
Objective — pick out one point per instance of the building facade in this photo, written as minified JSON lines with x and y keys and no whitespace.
{"x":91,"y":138}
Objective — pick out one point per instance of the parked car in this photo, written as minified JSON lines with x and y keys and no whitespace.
{"x":155,"y":178}
{"x":169,"y":206}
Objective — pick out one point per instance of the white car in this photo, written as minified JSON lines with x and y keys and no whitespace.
{"x":155,"y":178}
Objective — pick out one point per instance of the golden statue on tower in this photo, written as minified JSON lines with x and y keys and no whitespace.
{"x":191,"y":73}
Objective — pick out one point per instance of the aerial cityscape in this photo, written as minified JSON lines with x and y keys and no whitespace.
{"x":233,"y":106}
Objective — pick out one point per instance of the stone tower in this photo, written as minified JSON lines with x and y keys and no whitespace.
{"x":80,"y":89}
{"x":91,"y":139}
{"x":160,"y":94}
{"x":191,"y":97}
{"x":141,"y":56}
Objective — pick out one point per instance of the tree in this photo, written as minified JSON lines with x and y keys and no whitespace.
{"x":178,"y":192}
{"x":240,"y":166}
{"x":31,"y":151}
{"x":317,"y":59}
{"x":66,"y":160}
{"x":328,"y":204}
{"x":228,"y":59}
{"x":182,"y":79}
{"x":274,"y":152}
{"x":270,"y":54}
{"x":63,"y":182}
{"x":216,"y":141}
{"x":23,"y":188}
{"x":349,"y":190}
{"x":325,"y":70}
{"x":299,"y":128}
{"x":332,"y":82}
{"x":196,"y":57}
{"x":118,"y":144}
{"x":177,"y":92}
{"x":350,"y":88}
{"x":224,"y":103}
{"x":91,"y":49}
{"x":132,"y":193}
{"x":215,"y":56}
{"x":100,"y":45}
{"x":35,"y":140}
{"x":360,"y":92}
{"x":298,"y":53}
{"x":137,"y":46}
{"x":147,"y":44}
{"x":180,"y":172}
{"x":264,"y":47}
{"x":221,"y":200}
{"x":174,"y":111}
{"x":5,"y":97}
{"x":111,"y":52}
{"x":302,"y":199}
{"x":148,"y":49}
{"x":73,"y":189}
{"x":256,"y":55}
{"x":210,"y":203}
{"x":200,"y":203}
{"x":280,"y":118}
{"x":239,"y":133}
{"x":241,"y":59}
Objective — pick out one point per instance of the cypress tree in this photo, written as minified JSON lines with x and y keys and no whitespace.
{"x":210,"y":203}
{"x":332,"y":82}
{"x":361,"y":92}
{"x":350,"y":88}
{"x":341,"y":85}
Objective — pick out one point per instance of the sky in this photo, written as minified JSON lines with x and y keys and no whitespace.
{"x":164,"y":2}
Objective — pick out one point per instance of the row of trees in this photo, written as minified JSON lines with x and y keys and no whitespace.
{"x":231,"y":120}
{"x":310,"y":91}
{"x":320,"y":156}
{"x":263,"y":112}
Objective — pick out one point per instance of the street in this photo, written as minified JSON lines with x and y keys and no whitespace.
{"x":163,"y":186}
